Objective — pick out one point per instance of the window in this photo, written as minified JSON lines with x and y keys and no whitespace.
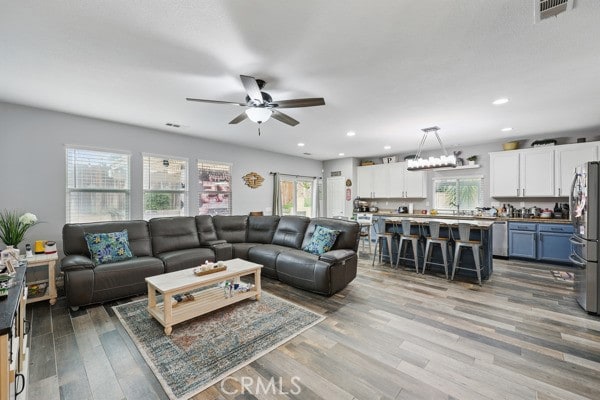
{"x":459,"y":194}
{"x":165,"y":186}
{"x":215,"y":188}
{"x":296,"y":195}
{"x":97,"y":185}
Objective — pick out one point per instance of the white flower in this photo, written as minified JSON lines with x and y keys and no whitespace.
{"x":28,"y":219}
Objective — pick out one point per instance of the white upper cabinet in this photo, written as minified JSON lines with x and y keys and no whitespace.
{"x":390,"y":181}
{"x":373,"y":181}
{"x":567,"y":157}
{"x":504,"y":174}
{"x":537,"y":173}
{"x":527,"y":173}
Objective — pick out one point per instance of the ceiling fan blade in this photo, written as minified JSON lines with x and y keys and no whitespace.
{"x":295,"y":103}
{"x":216,"y":102}
{"x":239,"y":118}
{"x":286,"y":119}
{"x":252,"y":88}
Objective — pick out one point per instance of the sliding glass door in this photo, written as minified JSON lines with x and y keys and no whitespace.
{"x":297,"y":196}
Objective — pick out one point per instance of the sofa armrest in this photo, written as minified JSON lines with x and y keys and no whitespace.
{"x":337,"y":255}
{"x":213,"y":243}
{"x":75,"y":262}
{"x":223,"y":250}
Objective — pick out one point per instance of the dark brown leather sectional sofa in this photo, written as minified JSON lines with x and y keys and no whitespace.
{"x":171,"y":244}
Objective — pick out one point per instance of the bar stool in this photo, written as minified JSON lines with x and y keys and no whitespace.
{"x":464,"y":233}
{"x":433,"y":239}
{"x":381,"y":237}
{"x":406,"y":238}
{"x":366,"y":222}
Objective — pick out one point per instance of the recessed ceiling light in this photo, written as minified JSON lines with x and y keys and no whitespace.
{"x":340,"y":154}
{"x":351,"y":133}
{"x":300,"y":144}
{"x":506,"y":129}
{"x":387,"y":147}
{"x":498,"y":102}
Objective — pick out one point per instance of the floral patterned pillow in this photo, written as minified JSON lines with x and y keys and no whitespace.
{"x":322,"y":240}
{"x":108,"y":247}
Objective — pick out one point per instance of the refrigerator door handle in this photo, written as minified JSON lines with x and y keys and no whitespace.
{"x":575,"y":261}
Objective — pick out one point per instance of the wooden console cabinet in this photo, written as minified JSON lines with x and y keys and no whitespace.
{"x":13,"y":346}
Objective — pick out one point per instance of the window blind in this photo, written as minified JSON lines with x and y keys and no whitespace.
{"x":215,"y":188}
{"x":165,"y":186}
{"x":98,"y":185}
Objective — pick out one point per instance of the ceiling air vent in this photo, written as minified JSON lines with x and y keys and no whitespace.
{"x":545,"y":9}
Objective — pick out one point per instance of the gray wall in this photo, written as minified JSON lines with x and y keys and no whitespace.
{"x":32,"y":163}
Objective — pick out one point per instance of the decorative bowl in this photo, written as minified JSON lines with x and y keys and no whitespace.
{"x":510,"y":145}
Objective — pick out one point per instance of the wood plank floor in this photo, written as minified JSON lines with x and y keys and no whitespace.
{"x":391,"y":334}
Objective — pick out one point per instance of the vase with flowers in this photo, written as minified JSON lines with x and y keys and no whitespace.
{"x":14,"y":226}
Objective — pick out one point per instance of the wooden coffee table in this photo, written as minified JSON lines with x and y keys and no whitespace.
{"x":209,"y":299}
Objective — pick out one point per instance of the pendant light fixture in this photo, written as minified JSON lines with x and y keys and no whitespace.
{"x":442,"y":161}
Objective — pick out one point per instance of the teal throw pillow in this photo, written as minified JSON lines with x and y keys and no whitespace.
{"x":108,"y":247}
{"x":322,"y":240}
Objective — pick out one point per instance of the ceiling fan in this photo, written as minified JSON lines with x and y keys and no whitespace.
{"x":260,"y":105}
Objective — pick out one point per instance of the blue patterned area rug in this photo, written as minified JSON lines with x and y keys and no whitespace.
{"x":204,"y":350}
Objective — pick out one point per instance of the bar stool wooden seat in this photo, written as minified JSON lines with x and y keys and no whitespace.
{"x":433,"y":239}
{"x":366,"y":222}
{"x":381,"y":237}
{"x":405,"y":238}
{"x":464,"y":233}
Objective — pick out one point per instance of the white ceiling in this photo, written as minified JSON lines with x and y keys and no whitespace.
{"x":385,"y":68}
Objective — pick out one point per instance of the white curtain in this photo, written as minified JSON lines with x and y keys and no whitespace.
{"x":316,"y":197}
{"x":277,"y":205}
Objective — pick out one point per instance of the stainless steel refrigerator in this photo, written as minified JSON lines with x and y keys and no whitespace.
{"x":584,"y":203}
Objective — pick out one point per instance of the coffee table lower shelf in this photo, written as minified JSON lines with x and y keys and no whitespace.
{"x":204,"y":302}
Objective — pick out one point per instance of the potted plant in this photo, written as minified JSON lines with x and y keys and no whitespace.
{"x":472,"y":160}
{"x":13,"y":227}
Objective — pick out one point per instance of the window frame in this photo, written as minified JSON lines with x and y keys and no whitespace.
{"x":201,"y":187}
{"x":69,"y":190}
{"x":457,"y":179}
{"x":185,"y":191}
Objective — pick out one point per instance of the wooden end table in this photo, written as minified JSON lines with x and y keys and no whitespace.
{"x":209,"y":299}
{"x":44,"y":259}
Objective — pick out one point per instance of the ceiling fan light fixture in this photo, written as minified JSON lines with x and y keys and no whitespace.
{"x":259,"y":114}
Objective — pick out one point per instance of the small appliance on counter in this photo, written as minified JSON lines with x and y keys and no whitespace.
{"x":373,"y":209}
{"x":402,"y":210}
{"x":360,"y":205}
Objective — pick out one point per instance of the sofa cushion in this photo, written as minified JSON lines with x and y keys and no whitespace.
{"x":231,"y":227}
{"x":124,"y":278}
{"x":106,"y":248}
{"x":173,"y":233}
{"x":137,"y":231}
{"x":348,"y":237}
{"x":262,"y":228}
{"x":321,"y":241}
{"x":290,"y":231}
{"x":297,"y":268}
{"x":206,"y":230}
{"x":266,"y":255}
{"x":188,"y":258}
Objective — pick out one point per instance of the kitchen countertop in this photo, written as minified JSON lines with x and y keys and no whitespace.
{"x":481,"y":223}
{"x":473,"y":217}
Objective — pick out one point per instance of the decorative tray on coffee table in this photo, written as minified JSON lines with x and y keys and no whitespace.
{"x":211,"y":269}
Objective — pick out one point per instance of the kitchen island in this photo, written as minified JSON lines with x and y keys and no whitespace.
{"x":480,"y":231}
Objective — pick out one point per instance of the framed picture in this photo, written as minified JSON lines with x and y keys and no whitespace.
{"x":11,"y":266}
